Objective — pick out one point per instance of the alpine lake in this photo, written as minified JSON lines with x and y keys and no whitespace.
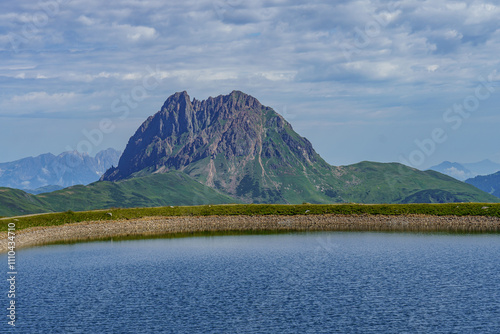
{"x":324,"y":282}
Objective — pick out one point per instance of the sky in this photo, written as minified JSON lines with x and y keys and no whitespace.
{"x":408,"y":81}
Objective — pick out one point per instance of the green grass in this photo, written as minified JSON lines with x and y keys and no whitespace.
{"x":173,"y":188}
{"x":17,"y":202}
{"x":454,"y":209}
{"x":396,"y":183}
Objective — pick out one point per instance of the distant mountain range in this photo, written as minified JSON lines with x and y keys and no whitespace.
{"x":464,"y":171}
{"x":484,"y":175}
{"x":232,"y":149}
{"x":488,"y":183}
{"x":48,"y":172}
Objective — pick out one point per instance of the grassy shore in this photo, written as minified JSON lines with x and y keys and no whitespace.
{"x":194,"y":225}
{"x":67,"y":227}
{"x":452,"y":209}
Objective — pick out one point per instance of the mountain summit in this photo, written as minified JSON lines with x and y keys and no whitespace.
{"x":234,"y":144}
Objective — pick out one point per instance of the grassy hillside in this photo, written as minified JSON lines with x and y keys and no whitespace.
{"x":172,"y":188}
{"x":16,"y":202}
{"x":488,"y":183}
{"x":366,"y":182}
{"x":372,"y":182}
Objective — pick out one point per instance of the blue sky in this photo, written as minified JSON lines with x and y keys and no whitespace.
{"x":407,"y":81}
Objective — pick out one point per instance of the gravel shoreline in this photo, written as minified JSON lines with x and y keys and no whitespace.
{"x":150,"y":226}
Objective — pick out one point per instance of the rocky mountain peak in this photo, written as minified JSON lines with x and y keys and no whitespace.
{"x":178,"y":101}
{"x":230,"y":142}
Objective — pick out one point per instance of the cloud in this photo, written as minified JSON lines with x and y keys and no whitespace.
{"x":137,"y":33}
{"x":482,"y":13}
{"x":43,"y":97}
{"x":38,"y":103}
{"x":86,"y":20}
{"x":391,"y":41}
{"x":458,"y":173}
{"x":345,"y":59}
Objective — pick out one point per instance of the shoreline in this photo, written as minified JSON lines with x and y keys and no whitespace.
{"x":171,"y":225}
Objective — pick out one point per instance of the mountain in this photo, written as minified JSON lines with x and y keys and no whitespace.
{"x":236,"y":145}
{"x":464,"y":171}
{"x":15,"y":202}
{"x":488,"y":183}
{"x":172,"y":188}
{"x":227,"y":149}
{"x":484,"y":167}
{"x":453,"y":169}
{"x":45,"y":189}
{"x":396,"y":183}
{"x":64,"y":170}
{"x":231,"y":143}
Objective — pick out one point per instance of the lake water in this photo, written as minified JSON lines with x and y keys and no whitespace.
{"x":287,"y":283}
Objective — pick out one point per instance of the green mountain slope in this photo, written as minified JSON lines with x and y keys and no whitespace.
{"x":172,"y":188}
{"x":373,"y":182}
{"x":14,"y":202}
{"x":488,"y":183}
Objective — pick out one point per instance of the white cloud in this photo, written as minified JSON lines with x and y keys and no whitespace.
{"x":374,"y":70}
{"x":86,"y":20}
{"x":19,"y":17}
{"x":452,"y":34}
{"x":479,"y":12}
{"x":456,"y":6}
{"x":139,"y":32}
{"x":132,"y":76}
{"x":279,"y":76}
{"x":43,"y":97}
{"x":458,"y":173}
{"x":432,"y":68}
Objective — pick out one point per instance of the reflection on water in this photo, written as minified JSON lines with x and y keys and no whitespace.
{"x":287,"y":283}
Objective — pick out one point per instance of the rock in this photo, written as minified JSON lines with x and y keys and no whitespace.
{"x":232,"y":143}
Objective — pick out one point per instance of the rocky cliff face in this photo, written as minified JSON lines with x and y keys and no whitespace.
{"x":64,"y":170}
{"x":232,"y":143}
